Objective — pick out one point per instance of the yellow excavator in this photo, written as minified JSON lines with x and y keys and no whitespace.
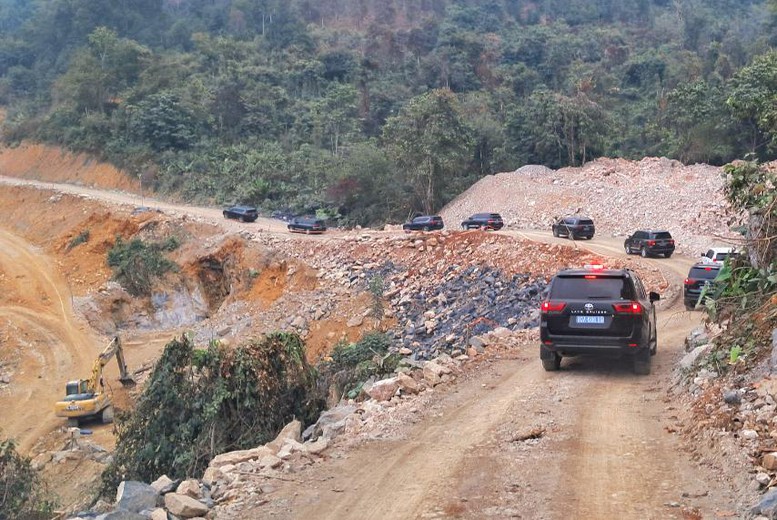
{"x":87,"y":398}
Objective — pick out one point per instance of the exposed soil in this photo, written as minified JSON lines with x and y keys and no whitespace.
{"x":506,"y":441}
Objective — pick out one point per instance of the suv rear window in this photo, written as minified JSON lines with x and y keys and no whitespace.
{"x":704,"y":273}
{"x":600,"y":287}
{"x":663,"y":234}
{"x":586,"y":222}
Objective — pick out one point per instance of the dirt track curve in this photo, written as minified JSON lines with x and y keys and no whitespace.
{"x":603,"y":448}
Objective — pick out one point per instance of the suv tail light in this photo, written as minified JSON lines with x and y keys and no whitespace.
{"x":553,"y":306}
{"x":651,"y":243}
{"x":689,"y":281}
{"x":627,"y":308}
{"x":671,"y":242}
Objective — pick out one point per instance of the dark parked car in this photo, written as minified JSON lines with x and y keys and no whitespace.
{"x":600,"y":312}
{"x":484,"y":221}
{"x":648,"y":242}
{"x":424,"y":223}
{"x":699,"y":276}
{"x":244,"y":213}
{"x":574,"y":227}
{"x":307,"y":225}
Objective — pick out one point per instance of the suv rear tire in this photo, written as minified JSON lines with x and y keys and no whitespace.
{"x":555,"y":233}
{"x":642,"y":362}
{"x":643,"y":252}
{"x":552,"y":364}
{"x":627,"y":249}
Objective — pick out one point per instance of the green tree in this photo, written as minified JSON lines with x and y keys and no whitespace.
{"x":752,"y":99}
{"x":432,"y":144}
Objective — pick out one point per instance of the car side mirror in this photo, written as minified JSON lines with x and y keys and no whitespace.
{"x":654,"y":296}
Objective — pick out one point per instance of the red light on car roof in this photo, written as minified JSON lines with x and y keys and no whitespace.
{"x":708,"y":268}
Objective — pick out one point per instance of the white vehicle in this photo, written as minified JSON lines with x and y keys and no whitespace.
{"x":717,"y":255}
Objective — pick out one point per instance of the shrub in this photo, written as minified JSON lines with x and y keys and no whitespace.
{"x":202,"y":402}
{"x":136,"y":264}
{"x":22,"y":494}
{"x":353,"y":363}
{"x":79,"y":239}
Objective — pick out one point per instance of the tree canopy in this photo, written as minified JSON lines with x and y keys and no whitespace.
{"x":286,"y":104}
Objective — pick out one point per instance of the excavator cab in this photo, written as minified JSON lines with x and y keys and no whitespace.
{"x":77,"y":390}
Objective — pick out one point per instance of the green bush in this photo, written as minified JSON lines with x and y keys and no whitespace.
{"x":202,"y":402}
{"x":353,"y":363}
{"x":22,"y":494}
{"x":79,"y":239}
{"x":136,"y":264}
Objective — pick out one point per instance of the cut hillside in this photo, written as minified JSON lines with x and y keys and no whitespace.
{"x":53,"y":164}
{"x":621,"y":196}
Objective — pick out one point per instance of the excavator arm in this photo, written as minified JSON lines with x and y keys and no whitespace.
{"x":114,"y":348}
{"x":87,"y":397}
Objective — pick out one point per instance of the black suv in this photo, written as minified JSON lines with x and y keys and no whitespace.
{"x":601,"y":312}
{"x":307,"y":225}
{"x":244,"y":213}
{"x":574,"y":227}
{"x":650,"y":243}
{"x":699,"y":276}
{"x":484,"y":221}
{"x":423,"y":223}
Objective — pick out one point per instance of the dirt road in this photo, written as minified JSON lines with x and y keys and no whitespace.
{"x":507,"y":441}
{"x":592,"y":441}
{"x":35,"y":308}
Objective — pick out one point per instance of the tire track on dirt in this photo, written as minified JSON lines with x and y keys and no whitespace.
{"x":53,"y":346}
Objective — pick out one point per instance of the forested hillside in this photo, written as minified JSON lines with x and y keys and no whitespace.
{"x":367,"y":110}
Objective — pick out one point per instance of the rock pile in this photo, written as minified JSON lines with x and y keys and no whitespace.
{"x":620,"y":195}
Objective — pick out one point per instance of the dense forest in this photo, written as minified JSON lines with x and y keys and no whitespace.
{"x":367,"y":110}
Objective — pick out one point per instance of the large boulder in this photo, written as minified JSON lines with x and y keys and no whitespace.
{"x":184,"y":506}
{"x":292,"y":431}
{"x":190,"y":487}
{"x":236,"y":457}
{"x":384,"y":389}
{"x":136,"y":496}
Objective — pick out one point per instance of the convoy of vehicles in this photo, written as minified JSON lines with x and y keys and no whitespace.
{"x":88,"y":398}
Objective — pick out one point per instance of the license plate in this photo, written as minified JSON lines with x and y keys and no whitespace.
{"x":588,"y":320}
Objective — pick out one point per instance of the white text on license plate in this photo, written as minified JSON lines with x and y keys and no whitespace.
{"x":589,"y":319}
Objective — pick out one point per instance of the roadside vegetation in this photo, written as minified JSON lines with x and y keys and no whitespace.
{"x":366,"y":111}
{"x":137,"y":264}
{"x":199,"y":403}
{"x":23,"y":495}
{"x":744,"y":295}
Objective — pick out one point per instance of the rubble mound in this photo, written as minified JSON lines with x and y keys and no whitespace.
{"x":620,"y":195}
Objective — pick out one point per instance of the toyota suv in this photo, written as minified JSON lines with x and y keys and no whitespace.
{"x":423,"y":223}
{"x":649,"y":242}
{"x":699,"y":276}
{"x":599,"y":312}
{"x":484,"y":221}
{"x":574,"y":227}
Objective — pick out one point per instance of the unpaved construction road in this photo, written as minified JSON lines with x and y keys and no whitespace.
{"x":592,"y":441}
{"x":508,"y":440}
